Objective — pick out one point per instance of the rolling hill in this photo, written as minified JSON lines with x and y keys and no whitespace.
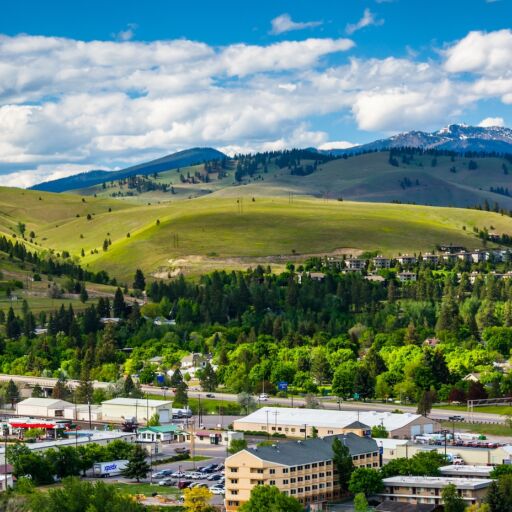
{"x":420,"y":178}
{"x":87,"y":179}
{"x":198,"y":235}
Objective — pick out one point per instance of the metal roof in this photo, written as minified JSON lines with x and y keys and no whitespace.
{"x":293,"y":453}
{"x":329,"y":418}
{"x":140,"y":402}
{"x":44,"y":402}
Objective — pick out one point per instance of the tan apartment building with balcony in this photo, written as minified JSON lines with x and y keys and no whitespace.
{"x":301,"y":469}
{"x":428,"y":489}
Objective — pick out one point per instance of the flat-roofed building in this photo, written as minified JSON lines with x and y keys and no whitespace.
{"x":355,"y":263}
{"x":300,"y":422}
{"x":466,"y":471}
{"x":406,"y":277}
{"x":302,"y":469}
{"x":121,"y":409}
{"x":428,"y":489}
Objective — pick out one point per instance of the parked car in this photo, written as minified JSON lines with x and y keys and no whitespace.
{"x":263,"y":397}
{"x":210,"y":395}
{"x":167,"y":482}
{"x":196,"y":475}
{"x":181,"y":449}
{"x":184,"y":484}
{"x":214,"y":477}
{"x":178,"y":474}
{"x":456,"y":418}
{"x":162,"y":473}
{"x":217,"y":489}
{"x":197,"y":485}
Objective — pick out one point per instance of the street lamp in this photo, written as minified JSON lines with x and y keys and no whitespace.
{"x":445,"y":432}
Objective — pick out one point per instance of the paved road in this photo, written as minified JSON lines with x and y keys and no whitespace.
{"x":327,"y":403}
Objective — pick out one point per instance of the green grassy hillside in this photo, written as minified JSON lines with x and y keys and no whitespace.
{"x":367,"y":177}
{"x":232,"y":232}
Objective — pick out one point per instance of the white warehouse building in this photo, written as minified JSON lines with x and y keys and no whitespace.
{"x":299,"y":422}
{"x":120,"y":409}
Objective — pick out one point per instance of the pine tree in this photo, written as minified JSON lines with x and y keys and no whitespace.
{"x":84,"y":296}
{"x":208,"y":378}
{"x":12,"y":326}
{"x":12,"y":393}
{"x":118,"y":306}
{"x":139,"y":282}
{"x":137,"y":466}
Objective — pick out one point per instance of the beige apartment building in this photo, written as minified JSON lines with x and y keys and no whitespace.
{"x":428,"y":489}
{"x":302,"y":469}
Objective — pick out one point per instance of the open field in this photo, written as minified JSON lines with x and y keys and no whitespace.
{"x":490,"y":429}
{"x":491,"y":409}
{"x":236,"y":232}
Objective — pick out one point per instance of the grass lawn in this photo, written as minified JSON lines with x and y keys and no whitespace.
{"x":480,"y":428}
{"x":146,"y":489}
{"x":490,"y":409}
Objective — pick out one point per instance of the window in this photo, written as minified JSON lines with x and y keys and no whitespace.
{"x":272,"y":471}
{"x":233,"y":491}
{"x":328,"y":462}
{"x":314,"y":476}
{"x":272,"y":482}
{"x":307,"y":466}
{"x":299,"y":468}
{"x":285,"y":482}
{"x":257,"y":470}
{"x":293,"y":491}
{"x":328,"y":473}
{"x":293,"y":480}
{"x":233,"y":503}
{"x":233,"y":480}
{"x":314,"y":487}
{"x":321,"y":475}
{"x":292,"y":470}
{"x":300,"y":479}
{"x":307,"y":477}
{"x":330,"y":432}
{"x":314,"y":465}
{"x":233,"y":470}
{"x":285,"y":470}
{"x":320,"y":464}
{"x":300,"y":489}
{"x":306,"y":489}
{"x":302,"y":430}
{"x":321,"y":486}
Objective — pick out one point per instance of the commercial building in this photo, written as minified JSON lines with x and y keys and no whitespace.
{"x":163,"y":434}
{"x":84,"y":437}
{"x":302,"y":469}
{"x":466,"y":471}
{"x":121,"y":409}
{"x":45,"y":407}
{"x":301,"y":422}
{"x":428,"y":489}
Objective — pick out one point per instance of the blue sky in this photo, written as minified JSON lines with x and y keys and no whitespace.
{"x":105,"y":84}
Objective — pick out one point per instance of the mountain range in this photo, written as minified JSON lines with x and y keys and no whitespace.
{"x":455,"y":137}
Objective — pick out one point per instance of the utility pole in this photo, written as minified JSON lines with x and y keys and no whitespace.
{"x":268,"y":429}
{"x":90,"y":422}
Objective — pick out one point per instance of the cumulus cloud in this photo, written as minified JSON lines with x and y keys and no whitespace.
{"x":368,"y":19}
{"x":492,"y":121}
{"x":284,"y":23}
{"x":481,"y":52}
{"x":68,"y":106}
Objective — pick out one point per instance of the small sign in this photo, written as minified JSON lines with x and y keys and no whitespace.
{"x":356,"y":396}
{"x":282,"y":386}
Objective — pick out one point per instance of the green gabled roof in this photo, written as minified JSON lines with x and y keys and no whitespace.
{"x":162,"y":429}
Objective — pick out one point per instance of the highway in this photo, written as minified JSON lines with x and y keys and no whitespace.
{"x":327,"y":403}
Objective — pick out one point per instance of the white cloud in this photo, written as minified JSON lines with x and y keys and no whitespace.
{"x":368,"y":19}
{"x":284,"y":23}
{"x":337,"y":144}
{"x":127,"y":34}
{"x":487,"y":53}
{"x":491,"y":121}
{"x":68,"y":105}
